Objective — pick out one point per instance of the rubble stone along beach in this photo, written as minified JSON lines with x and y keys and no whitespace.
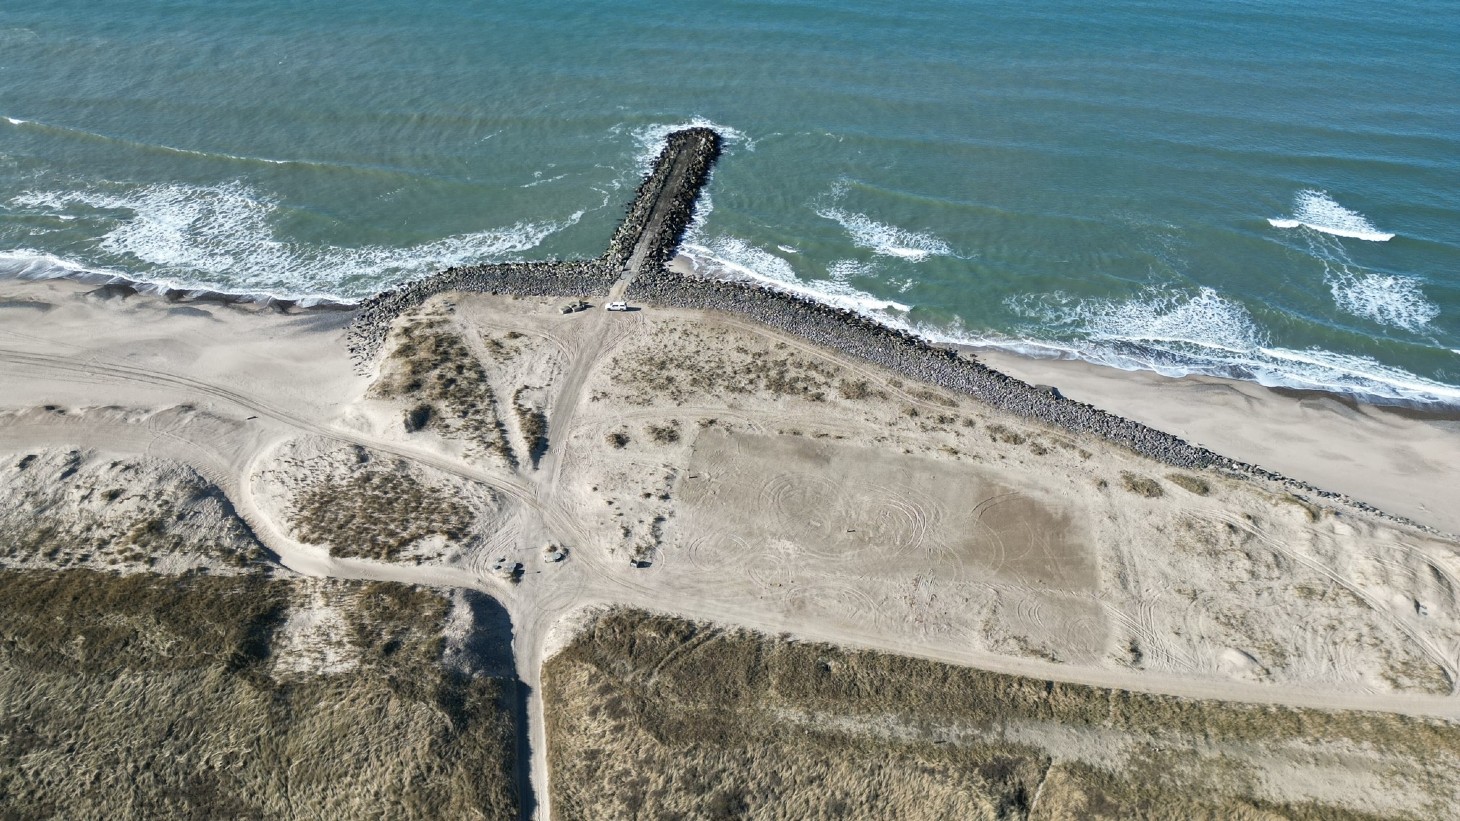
{"x":649,"y":236}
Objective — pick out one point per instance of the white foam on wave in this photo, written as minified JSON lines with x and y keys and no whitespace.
{"x":733,"y":258}
{"x":879,"y":237}
{"x":27,"y":263}
{"x":221,"y":238}
{"x":650,"y":140}
{"x":1205,"y":319}
{"x":1383,"y":298}
{"x":1178,"y":333}
{"x":1388,"y":299}
{"x":539,"y":179}
{"x":1318,"y":211}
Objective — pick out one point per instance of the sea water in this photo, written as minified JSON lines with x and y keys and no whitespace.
{"x":1264,"y":190}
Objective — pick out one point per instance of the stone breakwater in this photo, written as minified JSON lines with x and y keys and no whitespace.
{"x":648,"y":238}
{"x":918,"y":359}
{"x":652,"y":228}
{"x":576,"y":278}
{"x":664,"y":205}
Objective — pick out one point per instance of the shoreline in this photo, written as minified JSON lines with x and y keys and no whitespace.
{"x":688,"y":265}
{"x":1380,"y":459}
{"x":1400,"y":461}
{"x":641,"y":263}
{"x":858,"y":336}
{"x":120,"y":285}
{"x":595,"y":275}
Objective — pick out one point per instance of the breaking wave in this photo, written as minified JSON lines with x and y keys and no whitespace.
{"x":1318,"y":211}
{"x":222,"y":238}
{"x":727,"y":257}
{"x":1179,"y":333}
{"x":881,"y":238}
{"x":1388,"y":299}
{"x":1383,"y":298}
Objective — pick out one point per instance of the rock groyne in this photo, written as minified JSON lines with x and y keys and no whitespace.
{"x":648,"y":237}
{"x":664,"y":205}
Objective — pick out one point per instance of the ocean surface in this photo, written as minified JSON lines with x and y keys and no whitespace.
{"x":1265,"y":190}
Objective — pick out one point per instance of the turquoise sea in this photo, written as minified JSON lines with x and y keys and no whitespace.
{"x":1267,"y":190}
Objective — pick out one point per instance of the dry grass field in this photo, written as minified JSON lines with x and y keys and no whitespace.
{"x":652,"y":716}
{"x":148,"y":696}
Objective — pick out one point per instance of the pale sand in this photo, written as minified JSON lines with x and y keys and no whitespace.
{"x":1402,"y":462}
{"x":777,"y":486}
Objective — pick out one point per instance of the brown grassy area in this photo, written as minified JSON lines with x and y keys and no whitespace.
{"x":685,"y":362}
{"x":1189,"y":483}
{"x":651,"y":716}
{"x":152,"y":697}
{"x":432,"y":366}
{"x":376,"y":514}
{"x":533,"y":423}
{"x":664,"y":434}
{"x":1141,"y":485}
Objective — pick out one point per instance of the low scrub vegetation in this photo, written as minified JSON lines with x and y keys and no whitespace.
{"x":1189,"y":483}
{"x":1141,"y":485}
{"x":533,"y":423}
{"x":70,"y":509}
{"x":999,"y":433}
{"x":432,"y":366}
{"x":376,"y":514}
{"x":664,"y":434}
{"x":680,"y":363}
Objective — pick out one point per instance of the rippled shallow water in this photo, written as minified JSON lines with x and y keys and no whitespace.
{"x":1260,"y":190}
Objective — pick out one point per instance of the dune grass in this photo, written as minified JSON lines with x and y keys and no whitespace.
{"x":376,"y":514}
{"x":652,"y":716}
{"x":432,"y":366}
{"x":147,"y":696}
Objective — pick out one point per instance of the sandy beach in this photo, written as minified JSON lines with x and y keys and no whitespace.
{"x":703,"y":465}
{"x":1402,"y":461}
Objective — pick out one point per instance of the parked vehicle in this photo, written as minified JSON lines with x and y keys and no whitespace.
{"x":573,"y":307}
{"x":618,"y":306}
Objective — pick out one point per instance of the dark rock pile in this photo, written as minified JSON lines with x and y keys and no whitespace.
{"x":577,"y":278}
{"x":696,"y":149}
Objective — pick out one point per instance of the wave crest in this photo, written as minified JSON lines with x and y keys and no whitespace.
{"x":734,"y":258}
{"x":1388,"y":299}
{"x":1316,"y":210}
{"x":1178,"y":333}
{"x":881,"y":238}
